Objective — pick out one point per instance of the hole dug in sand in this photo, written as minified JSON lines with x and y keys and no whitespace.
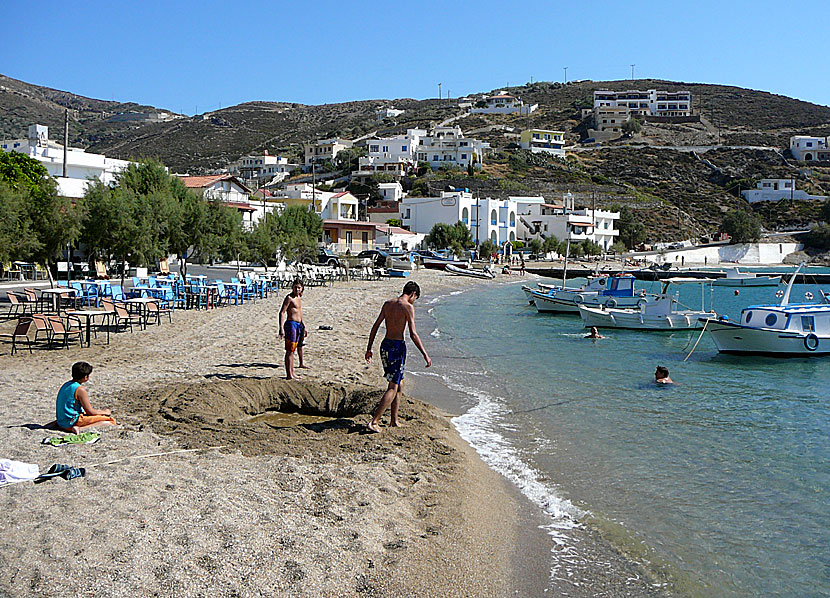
{"x":253,"y":415}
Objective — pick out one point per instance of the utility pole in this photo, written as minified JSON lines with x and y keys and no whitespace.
{"x":313,"y":186}
{"x":439,"y":91}
{"x":65,"y":139}
{"x":566,"y":73}
{"x":632,"y":71}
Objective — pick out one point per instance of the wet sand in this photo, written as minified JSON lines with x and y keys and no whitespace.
{"x":315,"y":508}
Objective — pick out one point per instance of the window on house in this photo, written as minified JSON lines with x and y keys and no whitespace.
{"x":536,"y":135}
{"x":349,"y":237}
{"x":374,"y":148}
{"x":465,"y":215}
{"x":364,"y":237}
{"x":493,"y":218}
{"x":435,"y":158}
{"x":386,"y":148}
{"x":403,"y":148}
{"x":463,"y":156}
{"x":407,"y":213}
{"x":809,"y":144}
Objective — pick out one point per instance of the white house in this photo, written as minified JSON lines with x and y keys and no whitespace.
{"x":226,"y":188}
{"x":81,"y":167}
{"x":776,"y":190}
{"x":488,"y":218}
{"x":539,"y":219}
{"x":324,"y":149}
{"x":262,"y":167}
{"x":328,"y":205}
{"x":647,"y":103}
{"x":391,"y":155}
{"x":502,"y":103}
{"x":447,"y":146}
{"x":388,"y":112}
{"x":543,"y":140}
{"x":810,"y":149}
{"x":391,"y":191}
{"x":387,"y":236}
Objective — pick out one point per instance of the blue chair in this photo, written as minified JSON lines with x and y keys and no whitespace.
{"x":151,"y":282}
{"x":116,"y":292}
{"x":227,"y":294}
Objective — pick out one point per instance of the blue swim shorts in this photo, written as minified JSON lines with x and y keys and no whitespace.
{"x":294,"y":335}
{"x":393,"y":356}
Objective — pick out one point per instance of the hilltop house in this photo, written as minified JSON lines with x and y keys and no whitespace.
{"x":447,"y":146}
{"x":226,"y":188}
{"x":324,"y":149}
{"x":502,"y":103}
{"x":653,"y":103}
{"x":776,"y":190}
{"x":810,"y":149}
{"x":327,"y":205}
{"x":388,"y":112}
{"x":81,"y":167}
{"x":539,"y":219}
{"x":493,"y":219}
{"x":262,"y":168}
{"x":542,"y":140}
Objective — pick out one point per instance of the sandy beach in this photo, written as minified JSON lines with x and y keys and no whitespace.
{"x":271,"y":505}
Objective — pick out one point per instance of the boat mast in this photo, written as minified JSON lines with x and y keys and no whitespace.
{"x":786,"y":298}
{"x":565,"y":269}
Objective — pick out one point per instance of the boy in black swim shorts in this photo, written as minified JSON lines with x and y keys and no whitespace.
{"x":398,"y":315}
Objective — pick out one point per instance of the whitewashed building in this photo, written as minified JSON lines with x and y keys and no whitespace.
{"x":502,"y":103}
{"x":390,"y":155}
{"x":226,"y":188}
{"x":81,"y":167}
{"x":391,"y":191}
{"x":328,"y":205}
{"x":324,"y":149}
{"x":387,"y":236}
{"x":646,"y":103}
{"x":447,"y":146}
{"x":388,"y":112}
{"x":810,"y":149}
{"x":492,"y":219}
{"x":776,"y":190}
{"x":539,"y":219}
{"x":262,"y":168}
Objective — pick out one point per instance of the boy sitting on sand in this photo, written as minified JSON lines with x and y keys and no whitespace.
{"x":292,"y":328}
{"x":73,"y":410}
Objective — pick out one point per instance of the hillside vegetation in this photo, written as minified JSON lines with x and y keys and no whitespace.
{"x":676,"y":194}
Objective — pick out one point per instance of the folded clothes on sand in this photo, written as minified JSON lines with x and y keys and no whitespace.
{"x":66,"y":472}
{"x":82,"y":438}
{"x":17,"y":471}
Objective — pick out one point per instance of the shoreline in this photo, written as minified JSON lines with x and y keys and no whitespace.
{"x":412,"y":512}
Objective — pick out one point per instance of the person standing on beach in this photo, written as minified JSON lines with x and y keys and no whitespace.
{"x":292,"y":328}
{"x":398,"y":314}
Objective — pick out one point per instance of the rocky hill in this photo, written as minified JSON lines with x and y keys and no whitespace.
{"x":677,"y":193}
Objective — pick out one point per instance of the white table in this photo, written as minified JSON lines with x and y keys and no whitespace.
{"x":56,"y":294}
{"x":89,"y":314}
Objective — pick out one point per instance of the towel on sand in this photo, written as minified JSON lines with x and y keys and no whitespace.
{"x":17,"y":471}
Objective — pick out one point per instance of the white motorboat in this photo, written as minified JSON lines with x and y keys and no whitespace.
{"x":602,"y":290}
{"x":469,"y":272}
{"x":786,"y":329}
{"x":735,"y":278}
{"x":662,"y":313}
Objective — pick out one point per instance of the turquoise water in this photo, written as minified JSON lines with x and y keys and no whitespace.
{"x":720,"y":482}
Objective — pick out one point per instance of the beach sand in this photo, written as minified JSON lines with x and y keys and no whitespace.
{"x":288,"y":506}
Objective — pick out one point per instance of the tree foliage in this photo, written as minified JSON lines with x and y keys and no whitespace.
{"x":294,"y":234}
{"x":450,"y":236}
{"x":818,"y":237}
{"x":741,"y":226}
{"x":535,"y":246}
{"x":17,"y":239}
{"x":487,"y":248}
{"x":47,"y":220}
{"x":632,"y":231}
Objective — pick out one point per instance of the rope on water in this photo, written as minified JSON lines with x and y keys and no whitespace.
{"x":207,"y":448}
{"x":706,"y":323}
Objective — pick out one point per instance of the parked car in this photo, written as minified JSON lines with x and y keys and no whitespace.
{"x":325,"y":257}
{"x":377,"y":256}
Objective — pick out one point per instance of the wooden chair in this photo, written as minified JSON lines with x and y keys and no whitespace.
{"x":58,"y":329}
{"x":15,"y":305}
{"x":101,"y":271}
{"x":21,"y":331}
{"x":122,"y":316}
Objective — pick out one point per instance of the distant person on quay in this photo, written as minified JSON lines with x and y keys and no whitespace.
{"x":661,"y":375}
{"x":293,"y":329}
{"x":398,"y":314}
{"x":73,"y":410}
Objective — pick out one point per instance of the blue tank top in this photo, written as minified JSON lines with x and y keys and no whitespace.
{"x":67,"y":407}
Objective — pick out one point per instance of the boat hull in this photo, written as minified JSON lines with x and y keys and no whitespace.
{"x":633,"y":319}
{"x":470,"y":273}
{"x":742,"y":340}
{"x":747,"y":282}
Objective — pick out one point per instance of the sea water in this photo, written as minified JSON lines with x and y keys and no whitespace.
{"x":718,"y":483}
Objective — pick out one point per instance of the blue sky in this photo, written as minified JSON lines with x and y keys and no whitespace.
{"x":197,"y":56}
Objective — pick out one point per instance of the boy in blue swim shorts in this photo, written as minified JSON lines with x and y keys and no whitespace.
{"x":398,"y":315}
{"x":292,"y":328}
